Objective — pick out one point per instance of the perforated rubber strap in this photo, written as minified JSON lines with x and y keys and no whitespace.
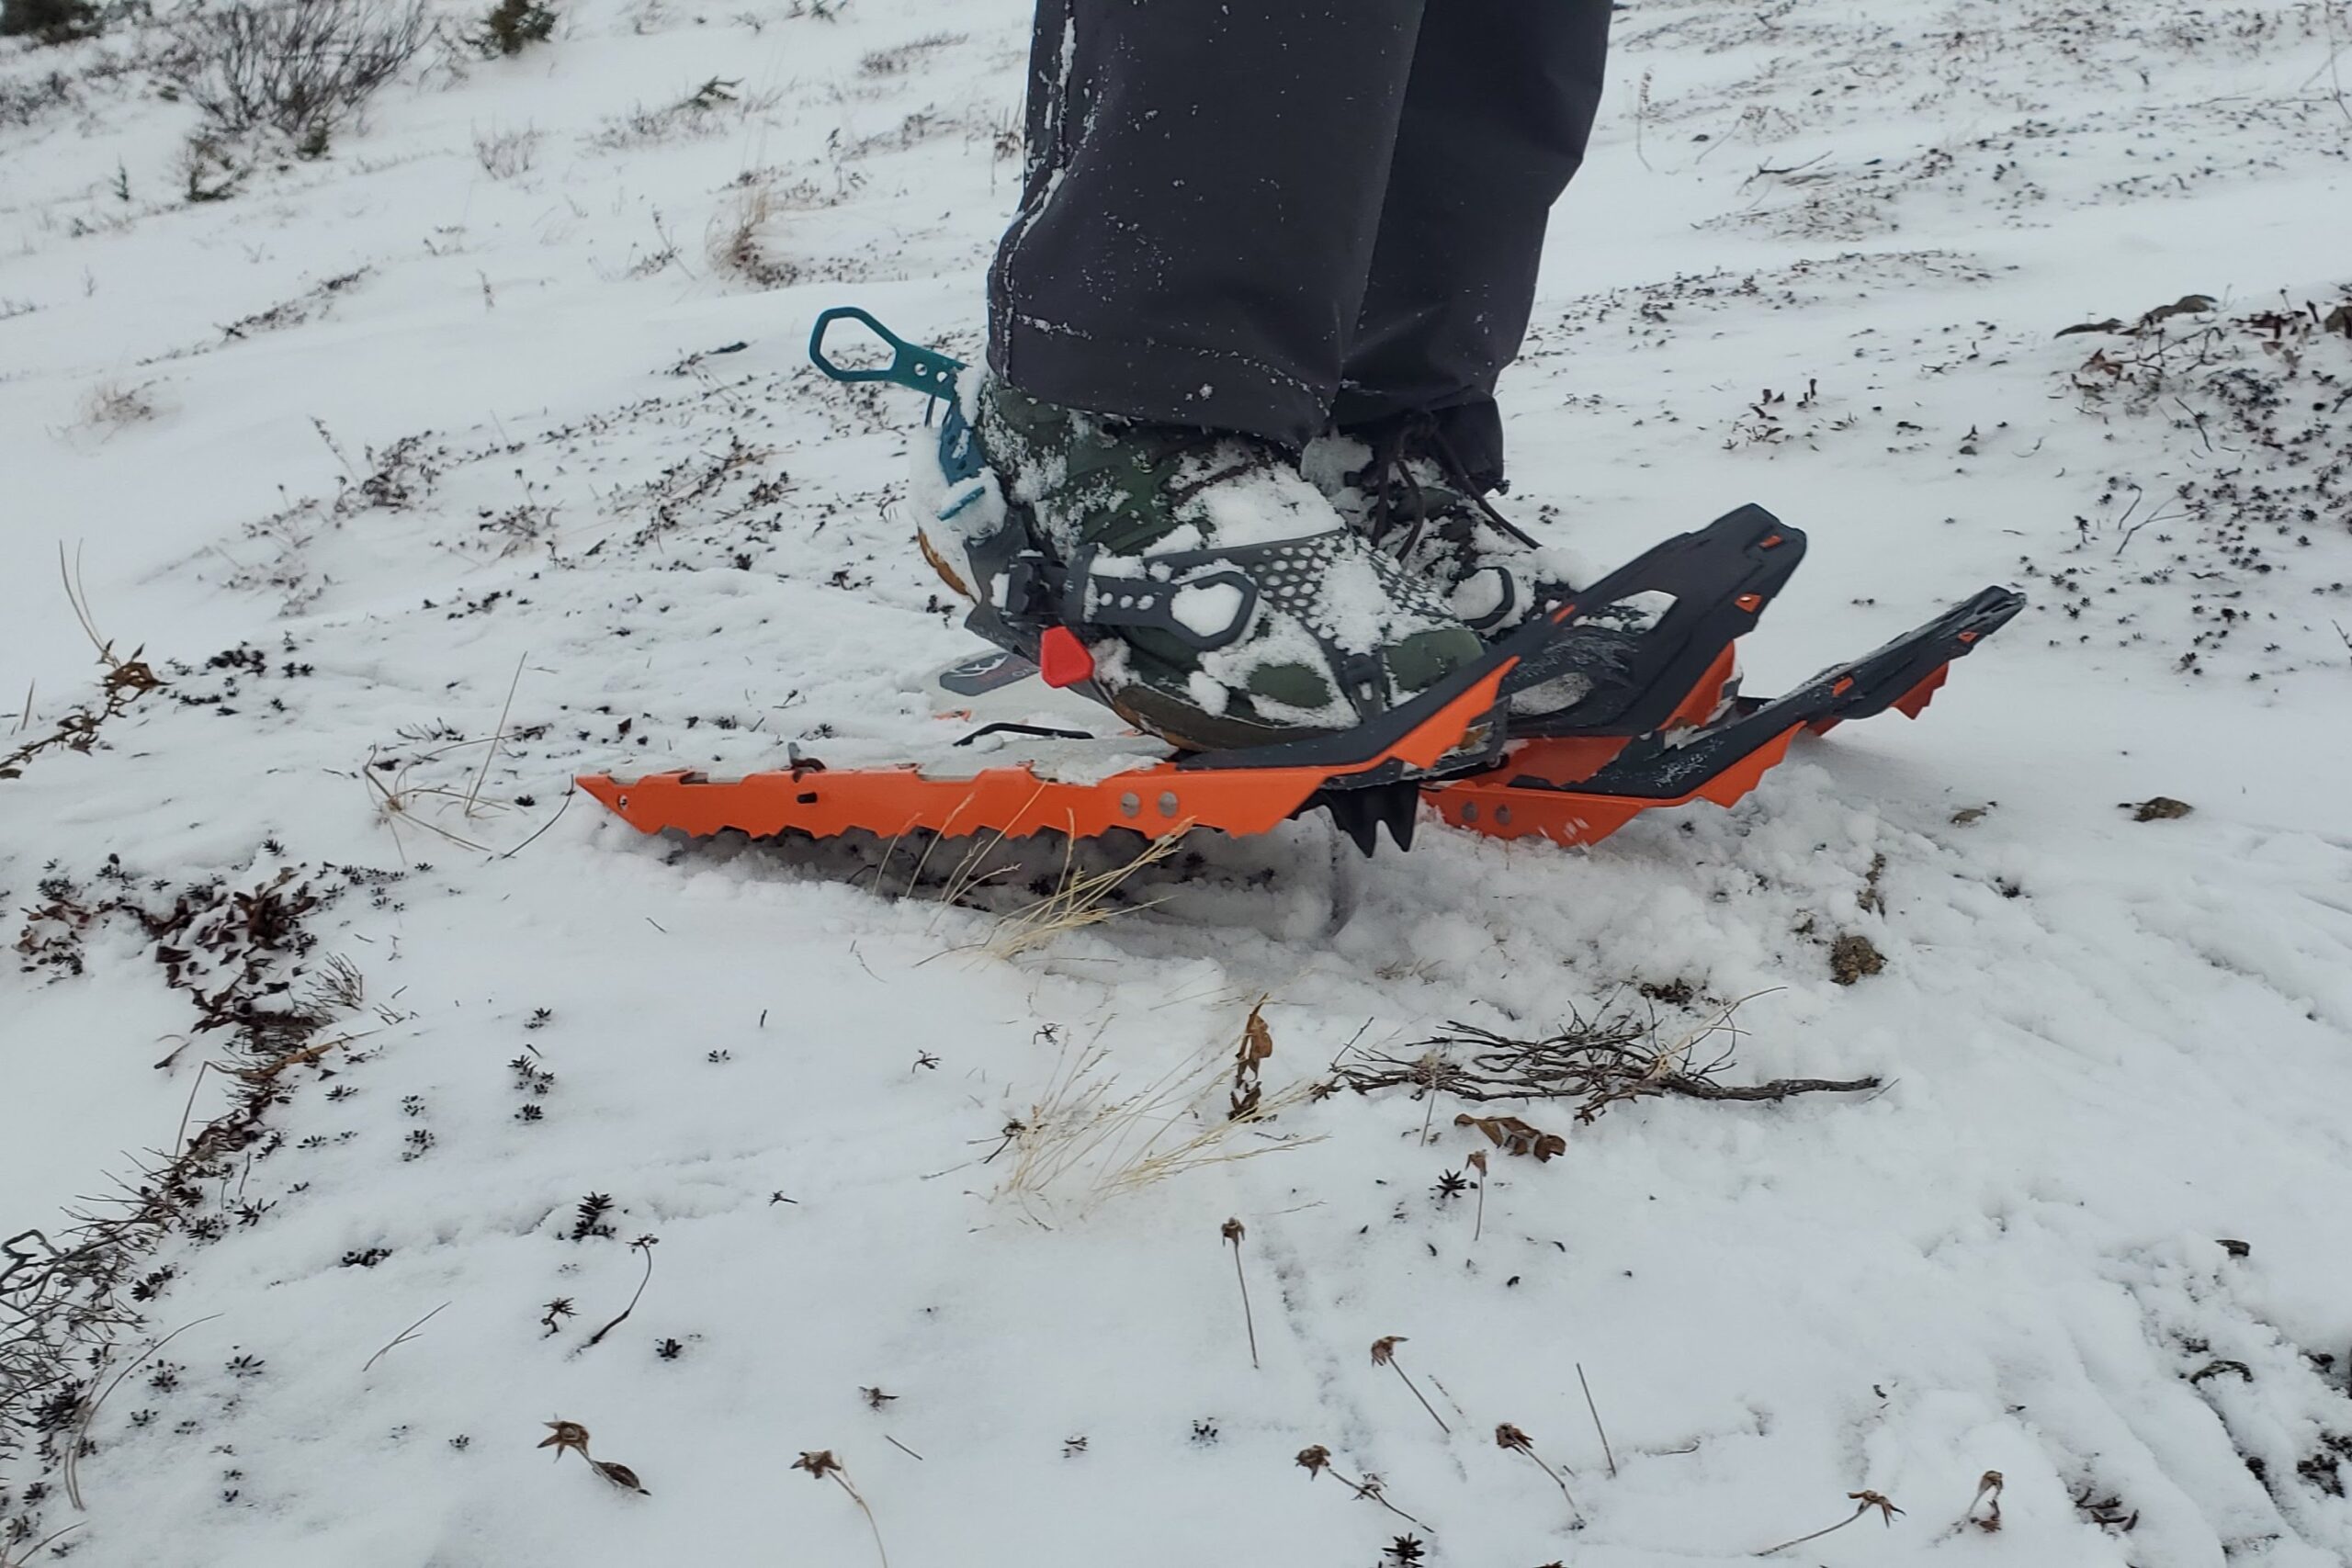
{"x":1043,"y":592}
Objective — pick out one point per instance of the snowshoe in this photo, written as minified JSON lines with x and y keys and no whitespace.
{"x":1621,"y":700}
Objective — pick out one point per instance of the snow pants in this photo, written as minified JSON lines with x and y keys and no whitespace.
{"x":1281,"y":216}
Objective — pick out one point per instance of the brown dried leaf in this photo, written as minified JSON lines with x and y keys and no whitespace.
{"x":620,"y":1475}
{"x":1514,"y":1136}
{"x":1257,"y":1040}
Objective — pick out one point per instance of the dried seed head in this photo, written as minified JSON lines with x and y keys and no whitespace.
{"x":876,"y":1398}
{"x":567,"y":1434}
{"x":1314,"y":1459}
{"x":1479,"y":1161}
{"x":1232,"y":1232}
{"x":1510,"y":1436}
{"x":1870,"y":1500}
{"x":819,"y":1464}
{"x":1385,"y":1351}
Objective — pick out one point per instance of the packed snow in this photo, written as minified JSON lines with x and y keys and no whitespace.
{"x":478,"y":449}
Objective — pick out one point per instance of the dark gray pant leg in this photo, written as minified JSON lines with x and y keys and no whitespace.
{"x":1496,"y":118}
{"x":1201,"y":203}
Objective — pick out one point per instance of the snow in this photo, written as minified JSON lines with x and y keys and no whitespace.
{"x":2108,"y":1045}
{"x":1206,"y":609}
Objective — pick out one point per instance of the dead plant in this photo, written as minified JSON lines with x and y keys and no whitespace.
{"x":1610,"y":1058}
{"x":125,"y":681}
{"x":1233,"y":1233}
{"x":1079,"y":900}
{"x":1988,"y":1498}
{"x":1607,"y":1452}
{"x":644,"y":1244}
{"x":570,"y":1436}
{"x":1085,"y":1140}
{"x":1863,"y":1503}
{"x":1384,"y":1354}
{"x":1510,"y":1436}
{"x":820,"y":1464}
{"x":1316,"y":1460}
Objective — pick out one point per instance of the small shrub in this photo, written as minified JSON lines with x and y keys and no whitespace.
{"x":735,"y":240}
{"x":299,"y":67}
{"x":512,"y":27}
{"x":503,"y":154}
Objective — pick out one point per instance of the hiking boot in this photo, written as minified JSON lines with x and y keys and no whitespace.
{"x":1221,"y":601}
{"x":1403,"y":489}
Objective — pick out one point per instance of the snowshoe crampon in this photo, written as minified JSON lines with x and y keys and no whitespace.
{"x":1618,"y":703}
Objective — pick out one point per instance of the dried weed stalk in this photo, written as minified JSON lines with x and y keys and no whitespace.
{"x":644,"y":1244}
{"x":571,"y":1436}
{"x":1316,"y":1460}
{"x":820,"y":1464}
{"x":1510,"y":1436}
{"x":1233,"y":1233}
{"x":1384,"y":1354}
{"x":1606,"y":1451}
{"x":1863,"y":1503}
{"x":125,"y":681}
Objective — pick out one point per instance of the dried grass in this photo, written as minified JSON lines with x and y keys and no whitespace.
{"x":1087,"y":1139}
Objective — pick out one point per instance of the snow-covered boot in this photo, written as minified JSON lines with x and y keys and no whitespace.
{"x":1210,"y":593}
{"x":1403,"y":489}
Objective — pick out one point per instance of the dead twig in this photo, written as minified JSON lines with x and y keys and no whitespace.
{"x":496,"y":736}
{"x":1606,"y":1451}
{"x":404,"y":1336}
{"x":644,"y":1244}
{"x":1607,"y":1059}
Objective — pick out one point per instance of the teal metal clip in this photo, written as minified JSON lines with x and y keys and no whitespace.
{"x":919,"y":369}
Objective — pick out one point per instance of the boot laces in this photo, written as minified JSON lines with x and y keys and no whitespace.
{"x":1395,"y":489}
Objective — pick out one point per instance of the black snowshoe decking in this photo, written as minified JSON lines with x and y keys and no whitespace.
{"x":1579,"y":790}
{"x":1649,"y":718}
{"x":1720,"y":578}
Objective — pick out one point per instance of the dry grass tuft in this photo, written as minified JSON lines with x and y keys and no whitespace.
{"x":1080,"y":898}
{"x":113,"y":406}
{"x":1086,"y":1140}
{"x":736,"y":246}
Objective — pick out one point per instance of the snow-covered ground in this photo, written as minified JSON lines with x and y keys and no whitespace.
{"x":493,"y":421}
